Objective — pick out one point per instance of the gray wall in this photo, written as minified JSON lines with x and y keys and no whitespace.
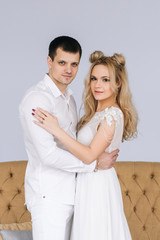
{"x":123,"y":26}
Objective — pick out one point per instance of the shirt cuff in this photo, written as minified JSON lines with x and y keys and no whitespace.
{"x":91,"y":167}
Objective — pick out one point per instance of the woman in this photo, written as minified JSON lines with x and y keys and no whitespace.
{"x":110,"y":117}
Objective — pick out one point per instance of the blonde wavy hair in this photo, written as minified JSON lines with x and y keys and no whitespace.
{"x":118,"y":77}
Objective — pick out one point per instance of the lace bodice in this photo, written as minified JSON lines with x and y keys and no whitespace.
{"x":87,"y":133}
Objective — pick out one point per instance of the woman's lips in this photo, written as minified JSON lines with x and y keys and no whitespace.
{"x":98,"y":92}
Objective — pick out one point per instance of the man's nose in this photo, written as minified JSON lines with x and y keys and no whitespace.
{"x":68,"y":68}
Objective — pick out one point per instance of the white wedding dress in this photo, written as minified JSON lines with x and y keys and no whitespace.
{"x":98,"y":213}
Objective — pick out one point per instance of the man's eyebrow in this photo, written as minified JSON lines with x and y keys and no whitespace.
{"x":61,"y":60}
{"x":75,"y":62}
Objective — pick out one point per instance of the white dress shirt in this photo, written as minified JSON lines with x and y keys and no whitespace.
{"x":51,"y":168}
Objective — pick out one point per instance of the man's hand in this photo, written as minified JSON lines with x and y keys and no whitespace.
{"x":107,"y":160}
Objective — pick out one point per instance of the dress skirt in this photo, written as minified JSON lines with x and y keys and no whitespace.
{"x":98,"y":213}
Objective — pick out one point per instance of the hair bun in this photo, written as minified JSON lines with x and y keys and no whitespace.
{"x":119,"y":58}
{"x":95,"y":56}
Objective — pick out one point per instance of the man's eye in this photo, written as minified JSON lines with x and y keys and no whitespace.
{"x":74,"y":64}
{"x":61,"y":62}
{"x":106,"y":80}
{"x":93,"y":78}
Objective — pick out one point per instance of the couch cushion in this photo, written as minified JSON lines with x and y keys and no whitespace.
{"x":16,"y":226}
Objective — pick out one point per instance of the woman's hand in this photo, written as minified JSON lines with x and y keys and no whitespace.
{"x":46,"y":121}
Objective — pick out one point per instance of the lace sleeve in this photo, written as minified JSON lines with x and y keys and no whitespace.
{"x":109,"y":122}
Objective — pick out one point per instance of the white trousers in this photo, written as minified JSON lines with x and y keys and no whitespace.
{"x":51,"y":220}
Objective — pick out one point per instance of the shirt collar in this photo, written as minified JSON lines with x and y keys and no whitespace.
{"x":55,"y":90}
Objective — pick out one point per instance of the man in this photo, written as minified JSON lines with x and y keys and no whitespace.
{"x":50,"y":174}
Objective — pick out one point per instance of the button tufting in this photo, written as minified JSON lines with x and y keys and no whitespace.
{"x":11,"y":175}
{"x":9,"y":207}
{"x":152,"y":176}
{"x":134,"y":209}
{"x":1,"y":191}
{"x":144,"y":228}
{"x":144,"y":192}
{"x":153,"y":209}
{"x":134,"y":176}
{"x":126,"y":193}
{"x":19,"y":191}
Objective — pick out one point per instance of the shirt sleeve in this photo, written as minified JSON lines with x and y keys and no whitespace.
{"x":43,"y":142}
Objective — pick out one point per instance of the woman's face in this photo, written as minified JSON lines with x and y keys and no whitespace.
{"x":100,"y":83}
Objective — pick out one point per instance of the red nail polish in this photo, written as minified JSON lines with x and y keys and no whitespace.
{"x":33,"y":110}
{"x":33,"y":114}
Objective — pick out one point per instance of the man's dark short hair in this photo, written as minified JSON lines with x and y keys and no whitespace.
{"x":67,"y":44}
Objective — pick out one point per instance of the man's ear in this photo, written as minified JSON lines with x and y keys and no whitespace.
{"x":49,"y":61}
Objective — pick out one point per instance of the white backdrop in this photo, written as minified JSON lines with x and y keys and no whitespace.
{"x":123,"y":26}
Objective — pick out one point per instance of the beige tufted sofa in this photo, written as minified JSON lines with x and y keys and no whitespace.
{"x":140,"y":184}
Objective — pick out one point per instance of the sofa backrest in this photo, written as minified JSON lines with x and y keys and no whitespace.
{"x":140,"y":185}
{"x":12,"y":208}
